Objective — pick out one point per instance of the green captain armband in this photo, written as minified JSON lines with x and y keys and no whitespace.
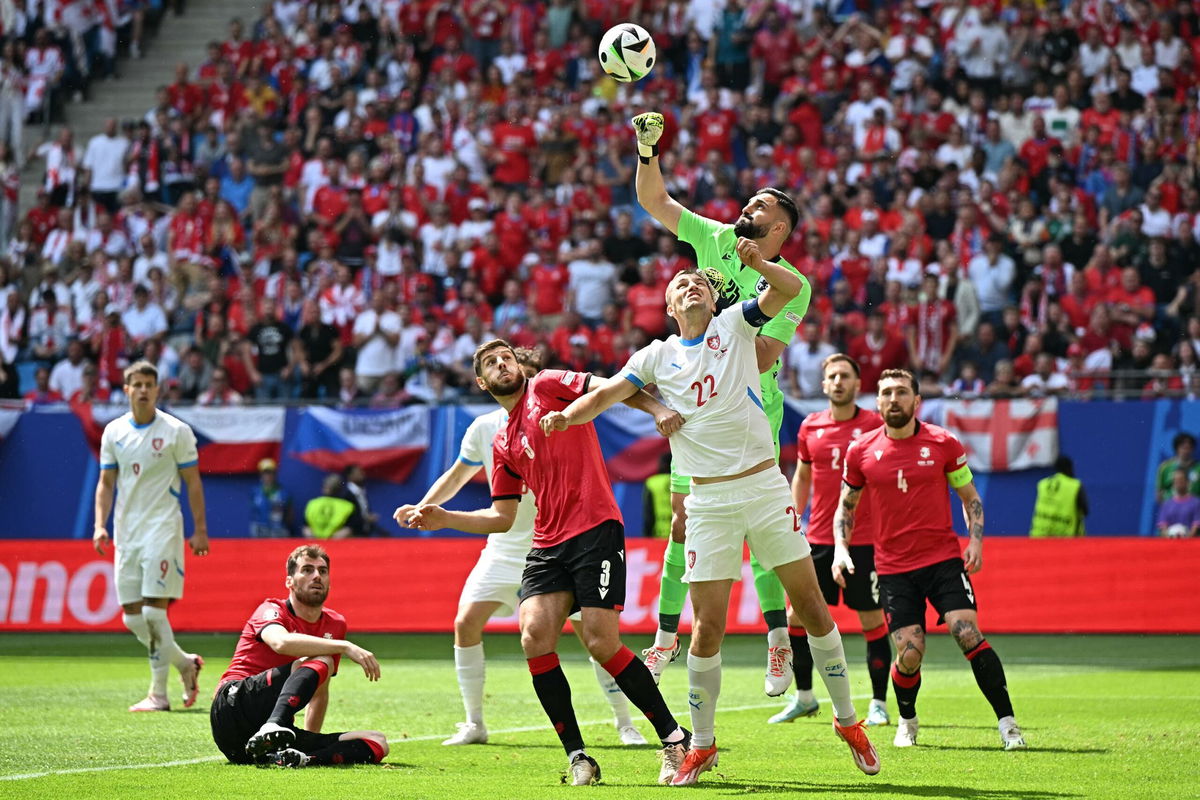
{"x":960,"y":477}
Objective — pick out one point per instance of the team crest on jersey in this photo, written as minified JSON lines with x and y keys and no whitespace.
{"x":924,"y":452}
{"x":925,"y":461}
{"x":156,"y":443}
{"x":526,"y":446}
{"x":713,"y":342}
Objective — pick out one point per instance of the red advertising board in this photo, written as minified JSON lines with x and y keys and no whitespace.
{"x":412,"y":585}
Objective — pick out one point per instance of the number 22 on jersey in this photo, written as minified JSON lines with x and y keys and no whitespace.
{"x":705,"y":389}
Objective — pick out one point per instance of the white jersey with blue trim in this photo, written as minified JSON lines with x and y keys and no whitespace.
{"x":476,"y":451}
{"x":713,"y":382}
{"x":147,"y":459}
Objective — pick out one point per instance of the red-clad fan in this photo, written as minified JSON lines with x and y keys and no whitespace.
{"x":289,"y":650}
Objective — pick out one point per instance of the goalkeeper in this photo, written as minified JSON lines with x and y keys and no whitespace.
{"x":768,"y":218}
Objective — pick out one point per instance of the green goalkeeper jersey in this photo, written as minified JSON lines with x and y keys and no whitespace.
{"x":716,"y":255}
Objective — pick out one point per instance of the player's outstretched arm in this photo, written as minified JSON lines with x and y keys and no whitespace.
{"x":783,"y":285}
{"x":448,"y":484}
{"x":651,"y":189}
{"x":843,"y":530}
{"x":301,"y":645}
{"x":497,"y":518}
{"x":973,"y":514}
{"x":199,"y":540}
{"x":587,"y":407}
{"x":105,"y":488}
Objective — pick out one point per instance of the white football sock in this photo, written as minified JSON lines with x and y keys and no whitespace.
{"x":704,"y":687}
{"x":468,"y":664}
{"x":830,"y":660}
{"x":164,"y":637}
{"x":665,"y":640}
{"x":158,"y":666}
{"x":613,"y":694}
{"x":778,"y":637}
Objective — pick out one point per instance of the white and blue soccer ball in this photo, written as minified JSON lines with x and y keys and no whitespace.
{"x":627,"y":52}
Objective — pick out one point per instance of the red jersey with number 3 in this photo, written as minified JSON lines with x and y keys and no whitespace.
{"x":253,"y":656}
{"x":906,"y":481}
{"x":565,"y":470}
{"x":822,"y":444}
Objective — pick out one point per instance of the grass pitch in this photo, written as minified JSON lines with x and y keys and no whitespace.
{"x":1105,"y":717}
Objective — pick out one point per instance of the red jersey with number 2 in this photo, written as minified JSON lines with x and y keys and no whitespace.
{"x":565,"y":470}
{"x":822,"y":444}
{"x":906,"y":481}
{"x":253,"y":656}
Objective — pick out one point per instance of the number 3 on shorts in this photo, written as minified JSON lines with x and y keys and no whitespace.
{"x":605,"y":573}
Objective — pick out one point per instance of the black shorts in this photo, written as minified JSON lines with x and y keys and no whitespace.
{"x":862,"y":587}
{"x":944,"y":585}
{"x":591,"y":566}
{"x":241,"y":707}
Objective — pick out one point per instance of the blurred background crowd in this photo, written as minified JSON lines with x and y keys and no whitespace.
{"x":340,"y":200}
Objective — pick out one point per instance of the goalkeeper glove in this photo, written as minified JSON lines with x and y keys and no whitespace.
{"x":649,"y":128}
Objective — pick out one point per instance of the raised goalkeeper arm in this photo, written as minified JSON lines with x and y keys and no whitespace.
{"x":651,"y":190}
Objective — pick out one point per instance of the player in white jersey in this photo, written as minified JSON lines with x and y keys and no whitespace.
{"x":143,"y":455}
{"x":492,"y":586}
{"x":709,"y":374}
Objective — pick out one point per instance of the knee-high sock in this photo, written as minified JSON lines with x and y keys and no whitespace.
{"x":704,"y":687}
{"x":164,"y":637}
{"x":830,"y":660}
{"x":771,"y":598}
{"x":638,"y":685}
{"x":672,"y":591}
{"x":879,"y":654}
{"x":906,"y":688}
{"x":989,"y":674}
{"x":802,"y":660}
{"x":469,"y":666}
{"x":613,"y":694}
{"x":351,"y":751}
{"x":159,"y":666}
{"x":297,"y":690}
{"x":554,"y":693}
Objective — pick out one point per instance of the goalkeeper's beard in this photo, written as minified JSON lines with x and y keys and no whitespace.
{"x":747,"y":229}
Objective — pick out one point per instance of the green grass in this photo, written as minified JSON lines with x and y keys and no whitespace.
{"x":1105,"y":717}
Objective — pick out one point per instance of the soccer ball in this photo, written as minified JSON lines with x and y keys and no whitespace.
{"x":627,"y":52}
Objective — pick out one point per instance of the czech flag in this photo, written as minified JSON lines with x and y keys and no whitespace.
{"x":386,"y":443}
{"x":234,"y":440}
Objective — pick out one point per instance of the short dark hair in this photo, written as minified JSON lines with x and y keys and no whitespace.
{"x":786,"y":203}
{"x":305,"y":551}
{"x":484,"y":349}
{"x":839,"y":357}
{"x":140,"y":368}
{"x":1180,"y":438}
{"x":528,"y":358}
{"x":901,"y":375}
{"x":1065,"y":465}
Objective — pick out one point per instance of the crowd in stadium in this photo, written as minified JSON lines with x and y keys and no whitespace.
{"x":342,"y":199}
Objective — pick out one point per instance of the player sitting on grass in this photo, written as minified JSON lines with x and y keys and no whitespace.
{"x":708,"y":372}
{"x":288,"y":650}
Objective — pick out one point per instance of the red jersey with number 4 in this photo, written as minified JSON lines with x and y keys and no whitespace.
{"x":565,"y":470}
{"x":906,"y":481}
{"x":823,"y":444}
{"x":253,"y":656}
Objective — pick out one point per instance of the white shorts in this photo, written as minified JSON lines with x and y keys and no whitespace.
{"x":758,"y":509}
{"x":497,"y":579}
{"x":494,"y":579}
{"x":150,"y":569}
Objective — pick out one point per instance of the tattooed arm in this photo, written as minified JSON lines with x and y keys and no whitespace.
{"x":843,"y":529}
{"x":973,"y":514}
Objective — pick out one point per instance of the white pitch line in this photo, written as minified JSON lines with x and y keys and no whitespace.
{"x":393,"y":741}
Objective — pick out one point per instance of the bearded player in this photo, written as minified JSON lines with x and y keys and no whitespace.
{"x":577,"y":558}
{"x":494,"y":584}
{"x":907,"y":468}
{"x":821,"y":445}
{"x":767,"y":219}
{"x":288,"y":651}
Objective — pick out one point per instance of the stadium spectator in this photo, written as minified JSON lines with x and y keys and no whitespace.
{"x":331,"y":516}
{"x":1179,"y":514}
{"x":271,"y":513}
